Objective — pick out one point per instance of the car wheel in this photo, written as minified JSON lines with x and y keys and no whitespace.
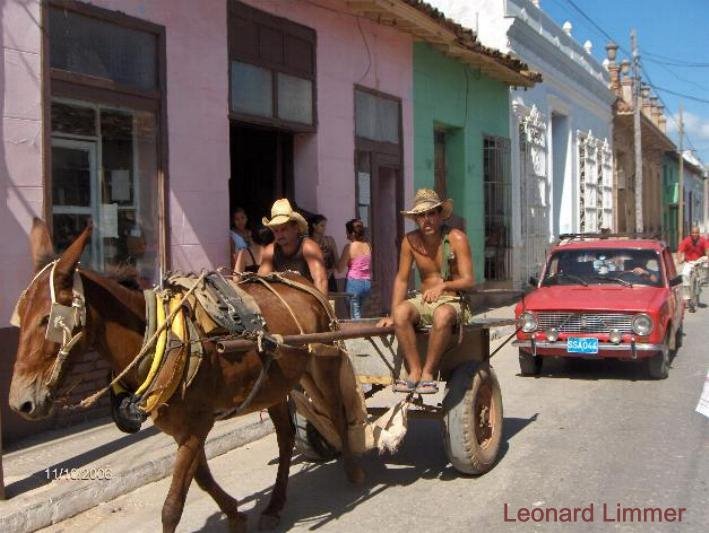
{"x":679,"y":338}
{"x":658,"y":366}
{"x":529,"y":365}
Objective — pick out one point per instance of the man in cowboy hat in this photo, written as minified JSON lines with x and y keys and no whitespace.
{"x":290,"y":249}
{"x":442,"y":256}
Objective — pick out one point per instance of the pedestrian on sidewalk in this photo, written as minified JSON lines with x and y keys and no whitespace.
{"x":357,"y":258}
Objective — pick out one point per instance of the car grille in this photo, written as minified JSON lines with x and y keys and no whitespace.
{"x":585,"y":322}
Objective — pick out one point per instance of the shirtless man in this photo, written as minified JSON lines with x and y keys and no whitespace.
{"x":444,"y":262}
{"x":290,"y":250}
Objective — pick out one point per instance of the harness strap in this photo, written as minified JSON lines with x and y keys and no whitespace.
{"x":89,"y":401}
{"x":283,"y":301}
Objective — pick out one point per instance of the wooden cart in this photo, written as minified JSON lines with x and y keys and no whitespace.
{"x":470,"y":412}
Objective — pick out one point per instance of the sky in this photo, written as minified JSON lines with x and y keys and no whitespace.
{"x":673,"y":40}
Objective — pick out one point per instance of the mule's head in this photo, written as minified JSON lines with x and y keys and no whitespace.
{"x":35,"y":364}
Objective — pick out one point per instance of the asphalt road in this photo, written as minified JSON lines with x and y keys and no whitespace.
{"x":597,"y":436}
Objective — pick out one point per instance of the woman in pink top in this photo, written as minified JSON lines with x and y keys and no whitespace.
{"x":357,"y":257}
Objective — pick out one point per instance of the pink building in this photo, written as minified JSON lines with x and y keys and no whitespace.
{"x":155,"y":118}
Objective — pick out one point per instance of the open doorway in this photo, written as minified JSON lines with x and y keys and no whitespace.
{"x":261,"y":169}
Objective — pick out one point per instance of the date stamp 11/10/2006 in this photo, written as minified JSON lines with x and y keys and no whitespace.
{"x":79,"y":474}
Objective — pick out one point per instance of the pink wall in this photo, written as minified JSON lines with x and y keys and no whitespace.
{"x":198,"y":125}
{"x":20,"y":145}
{"x":198,"y":132}
{"x":325,"y":161}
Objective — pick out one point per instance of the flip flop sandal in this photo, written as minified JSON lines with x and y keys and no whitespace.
{"x":401,"y":385}
{"x":427,"y":387}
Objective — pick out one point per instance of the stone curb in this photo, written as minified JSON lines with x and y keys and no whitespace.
{"x":70,"y":498}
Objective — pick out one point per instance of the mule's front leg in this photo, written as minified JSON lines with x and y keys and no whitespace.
{"x":285,"y":434}
{"x":188,"y":458}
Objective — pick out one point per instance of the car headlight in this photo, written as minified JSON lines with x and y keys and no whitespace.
{"x":527,"y":322}
{"x":642,"y":324}
{"x":552,"y":334}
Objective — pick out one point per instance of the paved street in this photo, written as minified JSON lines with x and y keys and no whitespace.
{"x":582,"y":434}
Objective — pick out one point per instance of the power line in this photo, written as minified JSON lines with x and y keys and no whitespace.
{"x":681,"y":95}
{"x":664,"y":60}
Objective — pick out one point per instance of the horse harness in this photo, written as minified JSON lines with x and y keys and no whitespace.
{"x":63,"y":321}
{"x":218,"y":309}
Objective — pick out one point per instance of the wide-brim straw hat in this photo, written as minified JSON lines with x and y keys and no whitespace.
{"x":427,"y":200}
{"x":282,"y":213}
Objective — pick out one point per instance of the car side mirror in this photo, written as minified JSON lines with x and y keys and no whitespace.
{"x":533,"y":281}
{"x":677,"y":280}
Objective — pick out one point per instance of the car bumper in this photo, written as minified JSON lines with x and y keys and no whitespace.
{"x":632,"y":350}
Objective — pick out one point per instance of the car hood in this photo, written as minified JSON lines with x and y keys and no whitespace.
{"x":594,"y":298}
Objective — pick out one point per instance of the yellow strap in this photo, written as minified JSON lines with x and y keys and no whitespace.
{"x":159,"y":347}
{"x":161,"y":395}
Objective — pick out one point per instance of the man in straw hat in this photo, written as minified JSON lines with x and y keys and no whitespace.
{"x":290,"y":249}
{"x":442,"y":256}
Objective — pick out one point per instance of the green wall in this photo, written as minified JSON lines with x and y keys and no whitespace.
{"x":450,"y":95}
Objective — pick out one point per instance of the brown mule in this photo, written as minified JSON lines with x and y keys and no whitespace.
{"x":114,"y":326}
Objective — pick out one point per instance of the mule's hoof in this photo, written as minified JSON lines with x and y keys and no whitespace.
{"x":238,"y":523}
{"x":268,"y":522}
{"x":355,"y":474}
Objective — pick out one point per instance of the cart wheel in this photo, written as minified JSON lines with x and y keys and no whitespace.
{"x":529,"y":365}
{"x":472,"y":424}
{"x":308,"y":440}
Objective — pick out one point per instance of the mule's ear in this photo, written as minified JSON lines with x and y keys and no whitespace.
{"x":70,"y":256}
{"x":40,"y":244}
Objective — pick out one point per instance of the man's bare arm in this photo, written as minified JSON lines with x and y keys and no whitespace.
{"x":316,"y":264}
{"x":266,"y":266}
{"x":464,"y":259}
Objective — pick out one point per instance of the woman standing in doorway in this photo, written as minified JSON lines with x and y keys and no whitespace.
{"x":240,"y":235}
{"x":249,"y":259}
{"x":357,"y":258}
{"x":317,"y":225}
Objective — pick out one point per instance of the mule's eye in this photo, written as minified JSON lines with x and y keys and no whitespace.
{"x":44,"y":321}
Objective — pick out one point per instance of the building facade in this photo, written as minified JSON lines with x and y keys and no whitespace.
{"x":560,"y":136}
{"x":156,"y":119}
{"x":461,"y":143}
{"x":632,"y":196}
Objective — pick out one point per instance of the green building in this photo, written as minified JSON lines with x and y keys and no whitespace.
{"x":461,"y":143}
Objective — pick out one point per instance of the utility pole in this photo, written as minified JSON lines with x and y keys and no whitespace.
{"x":680,"y":191}
{"x":638,"y":141}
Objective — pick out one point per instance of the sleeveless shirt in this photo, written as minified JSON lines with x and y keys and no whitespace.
{"x":295,"y":262}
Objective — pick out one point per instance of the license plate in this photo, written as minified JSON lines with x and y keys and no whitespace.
{"x":582,"y":345}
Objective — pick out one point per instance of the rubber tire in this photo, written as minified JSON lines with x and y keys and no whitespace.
{"x":679,"y":338}
{"x":309,"y":442}
{"x":658,"y":366}
{"x":529,"y":365}
{"x":463,"y":445}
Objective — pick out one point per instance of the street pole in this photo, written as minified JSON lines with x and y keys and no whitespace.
{"x":638,"y":141}
{"x":680,"y":188}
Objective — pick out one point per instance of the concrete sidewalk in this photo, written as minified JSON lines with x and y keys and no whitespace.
{"x":53,"y":480}
{"x":73,"y":470}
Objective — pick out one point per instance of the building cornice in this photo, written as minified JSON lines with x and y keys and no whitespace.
{"x":551,"y":57}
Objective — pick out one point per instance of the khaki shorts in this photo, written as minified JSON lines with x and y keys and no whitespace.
{"x":426,"y":310}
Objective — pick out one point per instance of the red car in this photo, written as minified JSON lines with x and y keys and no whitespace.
{"x":603,"y":297}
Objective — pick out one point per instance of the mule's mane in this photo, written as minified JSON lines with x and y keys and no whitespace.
{"x":130,"y":297}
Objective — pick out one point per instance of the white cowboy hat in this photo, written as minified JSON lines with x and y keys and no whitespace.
{"x":427,"y":200}
{"x":282,"y":213}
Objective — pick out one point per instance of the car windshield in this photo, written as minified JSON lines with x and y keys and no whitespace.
{"x":626,"y":267}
